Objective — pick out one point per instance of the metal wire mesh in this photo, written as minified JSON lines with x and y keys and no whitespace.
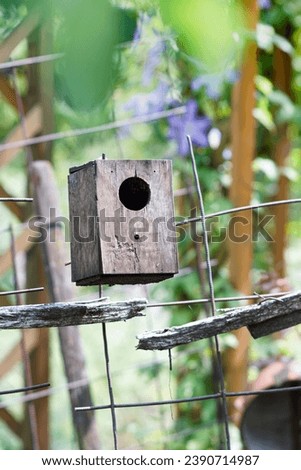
{"x":221,"y":395}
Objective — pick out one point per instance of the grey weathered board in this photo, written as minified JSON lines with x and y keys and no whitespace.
{"x":123,"y":246}
{"x":61,"y":314}
{"x":261,"y":319}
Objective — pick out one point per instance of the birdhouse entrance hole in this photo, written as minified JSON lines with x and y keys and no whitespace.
{"x":122,"y":252}
{"x":134,"y":193}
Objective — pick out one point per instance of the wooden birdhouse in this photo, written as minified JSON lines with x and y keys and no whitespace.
{"x":122,"y":222}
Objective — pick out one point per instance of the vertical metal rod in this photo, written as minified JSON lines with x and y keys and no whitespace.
{"x":170,"y":360}
{"x":211,"y":292}
{"x":201,"y":271}
{"x":26,"y":361}
{"x":110,"y":388}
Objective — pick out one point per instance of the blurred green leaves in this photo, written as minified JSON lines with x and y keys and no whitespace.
{"x":209,"y":30}
{"x":267,"y":39}
{"x":88,"y":33}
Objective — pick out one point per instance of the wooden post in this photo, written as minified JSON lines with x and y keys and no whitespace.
{"x":282,"y":81}
{"x":46,"y":78}
{"x":61,"y":289}
{"x":240,"y":243}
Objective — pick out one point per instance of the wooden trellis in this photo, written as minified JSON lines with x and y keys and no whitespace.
{"x":35,"y":114}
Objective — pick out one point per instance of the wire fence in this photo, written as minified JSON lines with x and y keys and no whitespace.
{"x":221,"y":395}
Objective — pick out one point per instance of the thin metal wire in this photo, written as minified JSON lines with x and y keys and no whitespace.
{"x":108,"y":373}
{"x":150,"y":403}
{"x":212,"y":396}
{"x":217,"y":299}
{"x":22,"y":291}
{"x":30,"y":61}
{"x":211,"y":293}
{"x":112,"y":403}
{"x":266,"y":391}
{"x":25,"y":389}
{"x":237,"y":209}
{"x":79,"y":383}
{"x":92,"y":130}
{"x":170,"y":360}
{"x":221,"y":395}
{"x":16,"y":199}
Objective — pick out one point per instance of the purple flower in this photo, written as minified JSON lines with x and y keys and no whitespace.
{"x":213,"y":83}
{"x":152,"y":61}
{"x":143,"y":20}
{"x":264,"y":4}
{"x":145,"y":103}
{"x":189,"y":124}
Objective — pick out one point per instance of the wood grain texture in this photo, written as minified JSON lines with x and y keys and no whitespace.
{"x":228,"y":320}
{"x":62,"y":314}
{"x":85,"y":252}
{"x":130,"y":246}
{"x":152,"y":254}
{"x":273,"y":325}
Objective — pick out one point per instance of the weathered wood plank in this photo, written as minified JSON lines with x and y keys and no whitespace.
{"x":138,"y":248}
{"x":228,"y":320}
{"x":69,"y":313}
{"x":275,"y":324}
{"x":85,"y":249}
{"x":133,"y":240}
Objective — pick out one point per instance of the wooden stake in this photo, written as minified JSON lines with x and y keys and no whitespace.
{"x":243,"y":150}
{"x":281,"y":150}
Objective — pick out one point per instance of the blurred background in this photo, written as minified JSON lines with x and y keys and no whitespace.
{"x":130,"y":79}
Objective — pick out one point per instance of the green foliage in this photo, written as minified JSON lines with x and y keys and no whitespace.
{"x":213,"y":50}
{"x":103,"y":69}
{"x":88,"y":34}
